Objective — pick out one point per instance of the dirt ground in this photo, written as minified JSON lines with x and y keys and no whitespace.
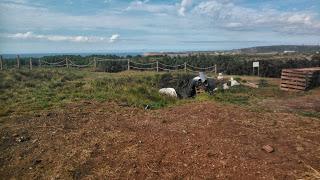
{"x":306,"y":103}
{"x":201,"y":140}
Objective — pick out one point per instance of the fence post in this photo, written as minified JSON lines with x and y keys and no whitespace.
{"x":18,"y":61}
{"x":30,"y":64}
{"x":39,"y":62}
{"x":128,"y":64}
{"x":157,"y":66}
{"x":215,"y":69}
{"x":94,"y":63}
{"x":67,"y":62}
{"x":1,"y":63}
{"x":185,"y":67}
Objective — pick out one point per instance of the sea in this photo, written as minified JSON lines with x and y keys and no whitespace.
{"x":39,"y":55}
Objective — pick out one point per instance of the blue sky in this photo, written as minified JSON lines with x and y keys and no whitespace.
{"x":71,"y":26}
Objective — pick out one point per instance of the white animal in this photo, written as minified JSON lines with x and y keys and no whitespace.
{"x":169,"y":92}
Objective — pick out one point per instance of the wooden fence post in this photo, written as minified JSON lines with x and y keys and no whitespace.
{"x":39,"y":62}
{"x":215,"y":69}
{"x":18,"y":61}
{"x":30,"y":64}
{"x":185,"y":67}
{"x":67,"y":62}
{"x":157,"y":66}
{"x":1,"y":63}
{"x":94,"y":63}
{"x":128,"y":64}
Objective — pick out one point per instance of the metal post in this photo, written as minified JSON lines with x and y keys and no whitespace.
{"x":157,"y":66}
{"x":1,"y":63}
{"x":185,"y":67}
{"x":18,"y":61}
{"x":128,"y":64}
{"x":30,"y":64}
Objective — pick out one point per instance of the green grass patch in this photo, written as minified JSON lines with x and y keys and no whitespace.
{"x":23,"y":91}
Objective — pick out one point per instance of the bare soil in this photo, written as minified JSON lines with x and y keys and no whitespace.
{"x":194,"y":141}
{"x":306,"y":103}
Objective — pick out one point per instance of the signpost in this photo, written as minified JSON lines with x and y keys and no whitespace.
{"x":256,"y":65}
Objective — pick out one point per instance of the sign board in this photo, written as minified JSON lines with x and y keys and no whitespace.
{"x":255,"y":64}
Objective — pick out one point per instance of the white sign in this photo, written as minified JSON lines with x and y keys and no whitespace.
{"x":255,"y":64}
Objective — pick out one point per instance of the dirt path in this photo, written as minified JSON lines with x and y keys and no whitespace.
{"x":197,"y":140}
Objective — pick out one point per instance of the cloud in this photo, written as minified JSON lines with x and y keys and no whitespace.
{"x":234,"y":17}
{"x":183,"y":6}
{"x":114,"y":38}
{"x":57,"y":38}
{"x":152,"y":8}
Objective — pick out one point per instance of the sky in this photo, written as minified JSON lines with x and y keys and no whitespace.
{"x":84,"y":26}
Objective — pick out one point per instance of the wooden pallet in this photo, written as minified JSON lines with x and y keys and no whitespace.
{"x":300,"y":79}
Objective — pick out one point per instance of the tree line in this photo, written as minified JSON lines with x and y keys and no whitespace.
{"x":228,"y":64}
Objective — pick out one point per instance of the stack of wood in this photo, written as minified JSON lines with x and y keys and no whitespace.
{"x":300,"y":79}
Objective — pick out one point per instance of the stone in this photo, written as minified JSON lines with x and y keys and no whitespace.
{"x":268,"y":148}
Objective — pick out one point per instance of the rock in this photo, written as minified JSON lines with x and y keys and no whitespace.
{"x":36,"y":161}
{"x":268,"y":148}
{"x":22,"y":139}
{"x":299,"y":148}
{"x":49,"y":114}
{"x":168,"y":92}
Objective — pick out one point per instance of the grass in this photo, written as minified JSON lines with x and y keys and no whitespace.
{"x":25,"y":91}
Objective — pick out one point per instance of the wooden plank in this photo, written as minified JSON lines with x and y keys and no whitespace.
{"x":292,"y":90}
{"x":296,"y":71}
{"x":294,"y":83}
{"x":314,"y":69}
{"x":296,"y":75}
{"x":292,"y":87}
{"x":295,"y":79}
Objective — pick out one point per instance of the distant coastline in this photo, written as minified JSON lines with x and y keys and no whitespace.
{"x":39,"y":55}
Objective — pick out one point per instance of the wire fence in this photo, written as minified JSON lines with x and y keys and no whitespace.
{"x":94,"y":63}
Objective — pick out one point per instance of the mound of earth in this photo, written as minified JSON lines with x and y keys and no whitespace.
{"x":197,"y":140}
